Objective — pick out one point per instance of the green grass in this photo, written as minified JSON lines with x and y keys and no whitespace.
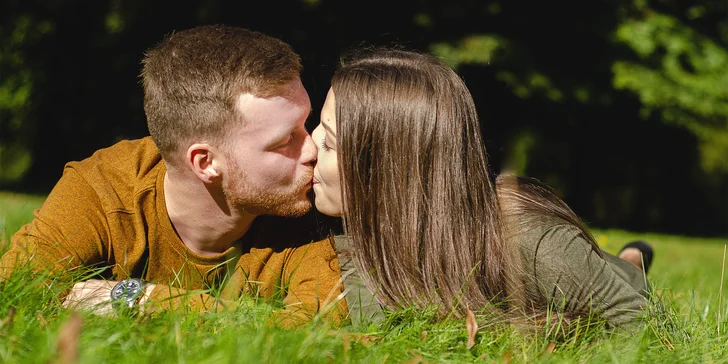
{"x":16,"y":210}
{"x":686,"y":273}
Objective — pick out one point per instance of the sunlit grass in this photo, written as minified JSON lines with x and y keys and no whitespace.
{"x":16,"y":210}
{"x":686,"y":273}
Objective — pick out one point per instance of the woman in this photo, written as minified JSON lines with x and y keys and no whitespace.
{"x":402,"y":161}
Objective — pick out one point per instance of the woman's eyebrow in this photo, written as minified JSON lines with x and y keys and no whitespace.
{"x":328,"y":128}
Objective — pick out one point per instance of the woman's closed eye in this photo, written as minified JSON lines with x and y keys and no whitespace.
{"x":325,"y":146}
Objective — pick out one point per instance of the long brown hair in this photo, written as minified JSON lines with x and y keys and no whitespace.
{"x":427,"y":224}
{"x":420,"y":208}
{"x":526,"y":203}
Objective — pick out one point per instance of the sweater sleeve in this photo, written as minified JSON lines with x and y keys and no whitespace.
{"x":168,"y":298}
{"x":312,"y":285}
{"x":68,"y":231}
{"x":574,"y":278}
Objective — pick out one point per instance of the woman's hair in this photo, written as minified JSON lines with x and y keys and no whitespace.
{"x":419,"y":206}
{"x":526,"y":203}
{"x":425,"y":220}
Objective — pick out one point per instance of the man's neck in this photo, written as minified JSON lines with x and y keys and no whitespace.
{"x":205,"y":222}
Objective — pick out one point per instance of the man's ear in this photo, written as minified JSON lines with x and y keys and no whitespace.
{"x":204,"y":161}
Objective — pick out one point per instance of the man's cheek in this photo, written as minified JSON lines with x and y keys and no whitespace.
{"x":277,"y":174}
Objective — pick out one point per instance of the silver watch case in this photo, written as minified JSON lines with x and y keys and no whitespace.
{"x":126,"y":293}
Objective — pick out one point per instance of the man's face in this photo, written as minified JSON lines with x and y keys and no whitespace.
{"x":269,"y":159}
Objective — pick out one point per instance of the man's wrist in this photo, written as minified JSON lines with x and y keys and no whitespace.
{"x":147,"y":293}
{"x":126,"y":294}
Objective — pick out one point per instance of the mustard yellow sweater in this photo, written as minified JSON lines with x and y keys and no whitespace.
{"x":109,"y":211}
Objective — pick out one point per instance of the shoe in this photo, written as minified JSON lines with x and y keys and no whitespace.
{"x":645,"y":249}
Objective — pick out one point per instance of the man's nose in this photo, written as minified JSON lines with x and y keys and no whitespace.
{"x":310,"y":152}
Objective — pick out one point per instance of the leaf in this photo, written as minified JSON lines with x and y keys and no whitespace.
{"x":68,"y":338}
{"x":364,"y":339}
{"x":507,"y":356}
{"x":472,"y":326}
{"x":417,"y":359}
{"x":8,"y":320}
{"x":347,"y":345}
{"x":550,"y":347}
{"x":42,"y":320}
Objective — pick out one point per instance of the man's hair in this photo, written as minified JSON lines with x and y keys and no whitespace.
{"x":192,"y":81}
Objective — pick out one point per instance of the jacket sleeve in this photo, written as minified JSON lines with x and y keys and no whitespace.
{"x":363,"y":305}
{"x":574,"y":278}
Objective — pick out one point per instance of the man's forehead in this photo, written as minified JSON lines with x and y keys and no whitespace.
{"x":293,"y":90}
{"x":292,"y":96}
{"x":267,"y":119}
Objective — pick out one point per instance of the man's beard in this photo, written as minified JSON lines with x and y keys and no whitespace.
{"x":258,"y":200}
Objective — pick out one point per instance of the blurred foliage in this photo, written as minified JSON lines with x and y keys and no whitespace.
{"x":15,"y":94}
{"x":616,"y":104}
{"x":606,"y":162}
{"x":683,"y":75}
{"x":472,"y":49}
{"x":680,"y":73}
{"x":484,"y":49}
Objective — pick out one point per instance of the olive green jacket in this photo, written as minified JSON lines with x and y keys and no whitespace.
{"x":561,"y":271}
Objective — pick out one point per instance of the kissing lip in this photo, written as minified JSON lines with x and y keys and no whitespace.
{"x":314,"y":180}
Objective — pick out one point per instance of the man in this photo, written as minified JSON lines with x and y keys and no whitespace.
{"x":214,"y":200}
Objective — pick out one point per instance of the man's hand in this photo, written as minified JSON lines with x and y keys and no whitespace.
{"x":93,"y":295}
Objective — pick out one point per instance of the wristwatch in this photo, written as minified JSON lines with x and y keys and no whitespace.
{"x":126,"y":294}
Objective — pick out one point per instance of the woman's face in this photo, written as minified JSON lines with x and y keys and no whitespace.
{"x":326,"y":184}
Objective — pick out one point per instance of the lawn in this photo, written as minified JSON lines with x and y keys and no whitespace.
{"x":687,"y":271}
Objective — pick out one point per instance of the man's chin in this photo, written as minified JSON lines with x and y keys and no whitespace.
{"x":294,"y":210}
{"x":291,"y":208}
{"x":301,"y":207}
{"x":279,"y":205}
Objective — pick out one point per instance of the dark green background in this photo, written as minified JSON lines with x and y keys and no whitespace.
{"x":69,"y":85}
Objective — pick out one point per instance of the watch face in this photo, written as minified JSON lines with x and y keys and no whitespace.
{"x":128,"y":289}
